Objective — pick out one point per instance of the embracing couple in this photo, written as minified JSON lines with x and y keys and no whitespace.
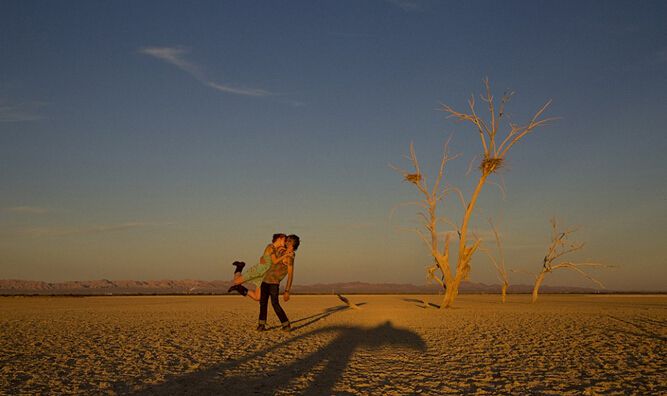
{"x":276,"y":262}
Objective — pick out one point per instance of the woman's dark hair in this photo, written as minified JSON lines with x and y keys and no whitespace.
{"x":294,"y":240}
{"x":278,"y":236}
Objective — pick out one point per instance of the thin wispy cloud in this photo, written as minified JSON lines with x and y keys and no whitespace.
{"x":176,"y":56}
{"x":33,"y":210}
{"x":20,"y":112}
{"x":39,"y":232}
{"x":239,"y":91}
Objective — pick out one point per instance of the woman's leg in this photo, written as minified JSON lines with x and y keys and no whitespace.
{"x":253,"y":274}
{"x":255,"y":294}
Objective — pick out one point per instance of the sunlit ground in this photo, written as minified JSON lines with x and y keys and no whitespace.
{"x":391,"y":345}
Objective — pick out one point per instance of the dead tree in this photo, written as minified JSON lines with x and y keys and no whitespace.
{"x":560,"y":246}
{"x":495,"y":150}
{"x":498,"y":263}
{"x":432,"y":196}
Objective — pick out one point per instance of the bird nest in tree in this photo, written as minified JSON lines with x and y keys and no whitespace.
{"x":413,"y":178}
{"x":490,"y":165}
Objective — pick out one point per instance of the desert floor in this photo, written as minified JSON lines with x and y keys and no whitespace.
{"x":391,"y":345}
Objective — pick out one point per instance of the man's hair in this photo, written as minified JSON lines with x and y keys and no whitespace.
{"x":278,"y":236}
{"x":294,"y":240}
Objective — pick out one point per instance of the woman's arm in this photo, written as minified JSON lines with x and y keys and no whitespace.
{"x":275,"y":259}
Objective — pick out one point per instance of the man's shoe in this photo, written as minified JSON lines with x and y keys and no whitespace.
{"x":261,"y":327}
{"x":286,"y":329}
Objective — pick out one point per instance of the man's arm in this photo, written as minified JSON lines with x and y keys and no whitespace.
{"x":290,"y":277}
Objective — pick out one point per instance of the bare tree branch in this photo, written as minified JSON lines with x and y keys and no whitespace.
{"x":559,"y":247}
{"x":575,"y":267}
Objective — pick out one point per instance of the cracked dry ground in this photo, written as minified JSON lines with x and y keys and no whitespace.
{"x":392,"y":345}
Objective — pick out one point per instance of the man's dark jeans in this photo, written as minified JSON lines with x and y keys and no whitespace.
{"x":272,"y":290}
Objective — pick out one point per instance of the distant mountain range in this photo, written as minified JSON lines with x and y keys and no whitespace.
{"x":190,"y":286}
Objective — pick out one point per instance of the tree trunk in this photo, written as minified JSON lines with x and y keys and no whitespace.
{"x":538,"y":283}
{"x":463,"y":259}
{"x":504,"y":292}
{"x":452,"y":291}
{"x":466,"y":219}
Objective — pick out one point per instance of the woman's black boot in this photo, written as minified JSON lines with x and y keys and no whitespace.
{"x":239,"y":288}
{"x":239,"y":266}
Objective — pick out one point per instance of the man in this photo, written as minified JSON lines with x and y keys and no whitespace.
{"x":270,"y":286}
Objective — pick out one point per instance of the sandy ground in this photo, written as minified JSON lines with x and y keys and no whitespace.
{"x":392,"y":345}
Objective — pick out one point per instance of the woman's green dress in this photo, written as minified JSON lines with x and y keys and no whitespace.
{"x":255,"y":274}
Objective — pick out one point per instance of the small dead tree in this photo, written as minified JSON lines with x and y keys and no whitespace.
{"x":495,"y":151}
{"x":560,"y":246}
{"x":432,"y":196}
{"x":498,"y":263}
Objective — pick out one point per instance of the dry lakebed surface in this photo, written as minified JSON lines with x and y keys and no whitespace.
{"x":391,"y":344}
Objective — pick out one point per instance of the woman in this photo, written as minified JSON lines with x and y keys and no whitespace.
{"x":273,"y":254}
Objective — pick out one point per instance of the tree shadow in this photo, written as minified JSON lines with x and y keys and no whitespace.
{"x":315,"y":373}
{"x":421,"y":303}
{"x":307,"y":321}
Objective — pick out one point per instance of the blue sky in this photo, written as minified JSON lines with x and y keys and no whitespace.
{"x":164,"y":140}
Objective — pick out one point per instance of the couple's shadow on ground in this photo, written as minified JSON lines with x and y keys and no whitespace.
{"x":320,"y":367}
{"x":309,"y":320}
